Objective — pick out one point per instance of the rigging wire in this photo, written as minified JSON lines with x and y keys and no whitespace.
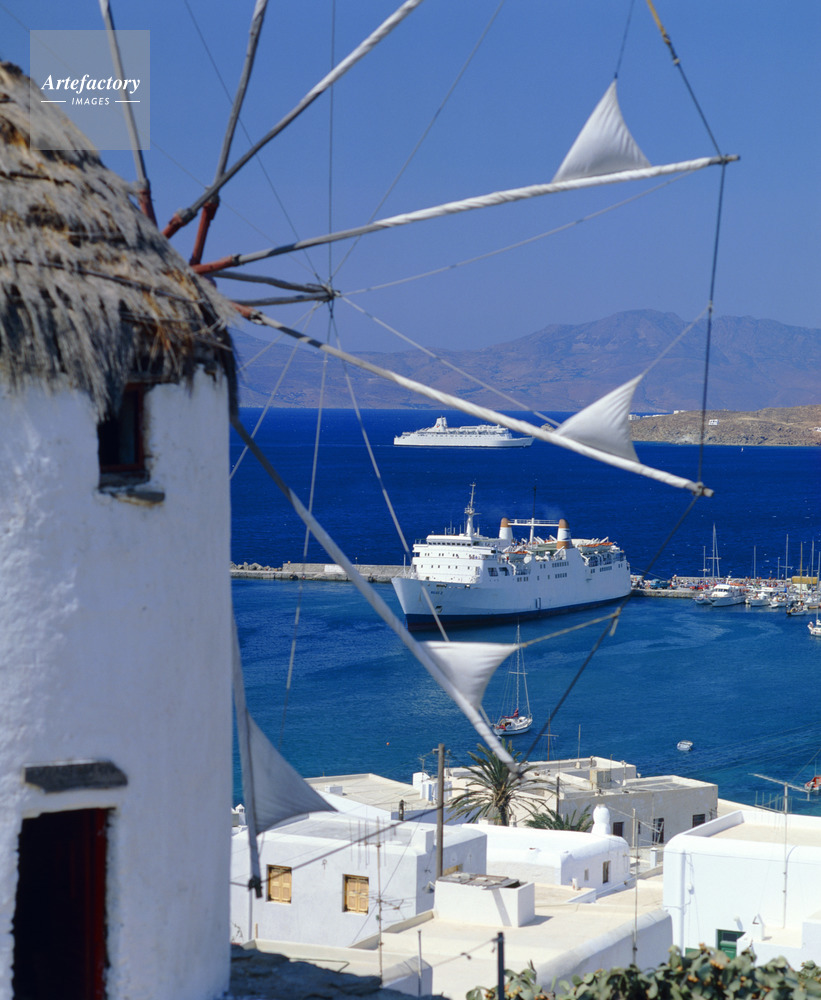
{"x":426,"y":131}
{"x":624,"y":39}
{"x":298,"y":609}
{"x":677,"y":63}
{"x":305,"y":260}
{"x":708,"y":338}
{"x":610,"y":628}
{"x":521,"y":243}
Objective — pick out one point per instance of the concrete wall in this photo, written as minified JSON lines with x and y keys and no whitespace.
{"x":676,"y":803}
{"x":115,"y":640}
{"x":494,"y":906}
{"x":650,"y":931}
{"x":737,"y":883}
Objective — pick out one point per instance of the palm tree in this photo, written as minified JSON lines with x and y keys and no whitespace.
{"x":551,"y":819}
{"x":492,"y":790}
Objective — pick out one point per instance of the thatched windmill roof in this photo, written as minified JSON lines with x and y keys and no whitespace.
{"x":89,"y":289}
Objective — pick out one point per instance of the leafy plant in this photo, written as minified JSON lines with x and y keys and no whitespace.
{"x":521,"y":985}
{"x":551,"y":819}
{"x":705,"y":975}
{"x":492,"y":790}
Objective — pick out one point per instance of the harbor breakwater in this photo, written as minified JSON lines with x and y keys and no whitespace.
{"x":681,"y":586}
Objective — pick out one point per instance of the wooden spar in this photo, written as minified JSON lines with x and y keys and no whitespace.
{"x":185,"y":215}
{"x":467,"y":205}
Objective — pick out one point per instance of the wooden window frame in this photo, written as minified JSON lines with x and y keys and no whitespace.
{"x":354,"y":900}
{"x":279,"y":878}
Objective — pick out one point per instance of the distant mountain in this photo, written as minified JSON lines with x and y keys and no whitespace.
{"x":753,"y":364}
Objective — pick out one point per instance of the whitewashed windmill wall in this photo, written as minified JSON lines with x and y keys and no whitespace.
{"x":115,"y":647}
{"x":115,"y":612}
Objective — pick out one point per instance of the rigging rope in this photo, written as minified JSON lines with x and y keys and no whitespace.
{"x":427,"y":130}
{"x":677,"y":63}
{"x":708,"y":338}
{"x":610,"y":628}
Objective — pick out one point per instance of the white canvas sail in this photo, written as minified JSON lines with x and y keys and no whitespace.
{"x":604,"y":145}
{"x":280,"y":792}
{"x":469,"y":665}
{"x":605,"y":424}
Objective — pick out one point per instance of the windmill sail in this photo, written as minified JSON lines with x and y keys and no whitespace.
{"x":605,"y":425}
{"x":604,"y":145}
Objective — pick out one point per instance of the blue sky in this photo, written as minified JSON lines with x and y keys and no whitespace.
{"x":524,"y":96}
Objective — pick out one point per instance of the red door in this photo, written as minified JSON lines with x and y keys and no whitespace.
{"x":59,"y":918}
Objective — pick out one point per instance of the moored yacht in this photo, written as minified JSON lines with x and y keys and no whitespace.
{"x":724,"y":594}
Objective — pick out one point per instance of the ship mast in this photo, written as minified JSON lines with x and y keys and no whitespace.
{"x":470,"y":510}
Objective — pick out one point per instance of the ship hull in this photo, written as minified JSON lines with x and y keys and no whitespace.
{"x":460,"y":606}
{"x":432,"y":442}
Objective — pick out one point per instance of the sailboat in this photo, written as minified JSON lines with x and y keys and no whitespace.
{"x":516,"y":716}
{"x":703,"y":596}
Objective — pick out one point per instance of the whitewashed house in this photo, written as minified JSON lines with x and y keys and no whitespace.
{"x":646,"y":811}
{"x":115,"y":617}
{"x":743,"y":880}
{"x":596,"y":862}
{"x":335,"y":878}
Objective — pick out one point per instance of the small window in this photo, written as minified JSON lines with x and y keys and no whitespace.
{"x":120,"y":436}
{"x":658,"y":830}
{"x":699,"y":818}
{"x":356,"y":894}
{"x":618,"y":829}
{"x":605,"y":872}
{"x":279,"y":884}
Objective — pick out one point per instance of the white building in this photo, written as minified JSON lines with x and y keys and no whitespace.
{"x":585,"y":861}
{"x":115,"y":618}
{"x":506,"y":879}
{"x":645,"y":811}
{"x":354,"y":868}
{"x":744,"y":880}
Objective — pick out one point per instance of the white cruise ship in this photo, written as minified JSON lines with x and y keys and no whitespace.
{"x":469,"y":578}
{"x":475,"y":436}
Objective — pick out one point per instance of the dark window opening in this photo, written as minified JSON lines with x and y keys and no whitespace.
{"x":120,"y":437}
{"x":658,"y":831}
{"x":59,"y":916}
{"x":618,"y":829}
{"x":699,"y":819}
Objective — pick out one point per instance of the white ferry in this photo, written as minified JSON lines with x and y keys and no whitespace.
{"x":475,"y":436}
{"x":469,"y":578}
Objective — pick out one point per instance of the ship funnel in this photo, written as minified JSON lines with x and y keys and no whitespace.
{"x":563,"y":539}
{"x":505,"y":531}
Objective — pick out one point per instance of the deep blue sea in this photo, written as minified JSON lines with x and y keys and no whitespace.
{"x":740,"y":682}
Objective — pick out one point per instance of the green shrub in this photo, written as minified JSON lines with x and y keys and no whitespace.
{"x":705,"y":975}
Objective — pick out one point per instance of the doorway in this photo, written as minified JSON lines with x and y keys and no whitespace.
{"x":59,"y":916}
